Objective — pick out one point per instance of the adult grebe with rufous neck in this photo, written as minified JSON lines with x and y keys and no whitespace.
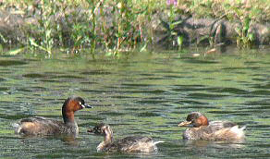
{"x":44,"y":126}
{"x":213,"y":131}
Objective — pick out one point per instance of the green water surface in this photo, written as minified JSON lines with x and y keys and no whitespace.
{"x":139,"y":94}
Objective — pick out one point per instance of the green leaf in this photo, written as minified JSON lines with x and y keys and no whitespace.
{"x":143,"y":48}
{"x":32,"y":42}
{"x":1,"y":48}
{"x":251,"y":37}
{"x":180,"y":40}
{"x":3,"y":38}
{"x":177,"y":22}
{"x":238,"y":30}
{"x":171,"y":26}
{"x":48,"y":33}
{"x":15,"y":51}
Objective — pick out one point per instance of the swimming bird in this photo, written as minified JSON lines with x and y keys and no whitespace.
{"x":45,"y":126}
{"x":127,"y":144}
{"x":214,"y":130}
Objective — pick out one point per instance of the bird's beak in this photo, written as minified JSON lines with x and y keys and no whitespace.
{"x":86,"y":106}
{"x":185,"y":123}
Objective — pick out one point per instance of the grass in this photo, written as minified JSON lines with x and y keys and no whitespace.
{"x":256,"y":10}
{"x":74,"y":25}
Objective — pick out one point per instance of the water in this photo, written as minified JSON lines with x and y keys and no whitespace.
{"x":145,"y":94}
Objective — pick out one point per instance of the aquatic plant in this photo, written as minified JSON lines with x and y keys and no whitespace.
{"x":124,"y":25}
{"x":45,"y":27}
{"x":245,"y":37}
{"x":175,"y":37}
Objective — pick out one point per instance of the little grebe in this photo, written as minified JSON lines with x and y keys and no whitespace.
{"x":45,"y":126}
{"x":127,"y":144}
{"x":214,"y":131}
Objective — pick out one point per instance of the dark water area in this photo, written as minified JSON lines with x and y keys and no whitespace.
{"x":140,"y":94}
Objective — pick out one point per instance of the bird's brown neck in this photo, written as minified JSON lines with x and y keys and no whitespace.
{"x":68,"y":116}
{"x":202,"y":121}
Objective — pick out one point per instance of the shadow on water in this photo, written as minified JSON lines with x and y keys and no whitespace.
{"x":6,"y":63}
{"x":146,"y":94}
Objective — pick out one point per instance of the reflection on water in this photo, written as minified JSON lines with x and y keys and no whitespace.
{"x":201,"y":144}
{"x":145,"y":94}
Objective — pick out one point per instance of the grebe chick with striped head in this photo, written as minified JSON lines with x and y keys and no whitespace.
{"x":127,"y":144}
